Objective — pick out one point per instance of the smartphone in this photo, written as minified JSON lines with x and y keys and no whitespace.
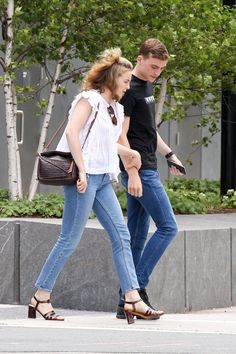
{"x":179,"y":167}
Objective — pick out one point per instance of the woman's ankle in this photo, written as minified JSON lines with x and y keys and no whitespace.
{"x":132,"y":296}
{"x":42,"y":295}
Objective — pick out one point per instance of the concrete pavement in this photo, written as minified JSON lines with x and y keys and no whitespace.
{"x":204,"y":332}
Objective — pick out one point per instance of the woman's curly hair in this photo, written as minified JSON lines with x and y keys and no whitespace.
{"x":106,"y":70}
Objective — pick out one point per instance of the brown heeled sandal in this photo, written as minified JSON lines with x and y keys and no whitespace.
{"x":150,"y":314}
{"x":49,"y":316}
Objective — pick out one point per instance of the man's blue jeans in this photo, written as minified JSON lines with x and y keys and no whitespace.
{"x":155,"y":203}
{"x":100,"y":197}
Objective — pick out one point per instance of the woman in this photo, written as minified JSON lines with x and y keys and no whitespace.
{"x":97,"y":161}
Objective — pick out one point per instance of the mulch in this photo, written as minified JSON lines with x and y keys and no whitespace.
{"x":222,"y":211}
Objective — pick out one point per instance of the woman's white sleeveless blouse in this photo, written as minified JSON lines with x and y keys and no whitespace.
{"x":100,"y":150}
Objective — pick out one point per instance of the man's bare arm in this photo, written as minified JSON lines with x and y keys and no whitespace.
{"x":134,"y":181}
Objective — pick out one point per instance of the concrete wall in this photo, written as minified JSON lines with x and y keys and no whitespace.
{"x":32,"y":125}
{"x":197,"y":271}
{"x":9,"y":283}
{"x":179,"y":136}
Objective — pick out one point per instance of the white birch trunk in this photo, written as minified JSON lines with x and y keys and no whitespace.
{"x":11,"y":136}
{"x":34,"y":182}
{"x":161,"y":101}
{"x":18,"y":160}
{"x":9,"y":104}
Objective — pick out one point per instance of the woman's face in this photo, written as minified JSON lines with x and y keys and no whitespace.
{"x":123,"y":84}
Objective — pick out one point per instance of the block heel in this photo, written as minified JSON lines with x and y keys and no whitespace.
{"x":129,"y":317}
{"x":31,"y":312}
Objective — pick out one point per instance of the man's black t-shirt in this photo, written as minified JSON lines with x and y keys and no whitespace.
{"x":139,"y":105}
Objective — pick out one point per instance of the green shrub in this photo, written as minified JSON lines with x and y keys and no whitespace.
{"x":192,"y":202}
{"x":121,"y":195}
{"x":43,"y":205}
{"x":4,"y":194}
{"x":50,"y":205}
{"x":229,"y":200}
{"x":198,"y":185}
{"x":190,"y":196}
{"x":193,"y":196}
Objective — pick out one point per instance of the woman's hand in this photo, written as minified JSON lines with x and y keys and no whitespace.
{"x":130,"y":158}
{"x":82,"y":183}
{"x":134,"y":160}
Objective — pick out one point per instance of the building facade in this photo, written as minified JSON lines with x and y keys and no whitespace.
{"x":179,"y":135}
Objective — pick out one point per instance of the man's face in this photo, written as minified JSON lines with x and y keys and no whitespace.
{"x":150,"y":68}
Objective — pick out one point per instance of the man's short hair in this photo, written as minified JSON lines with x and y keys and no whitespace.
{"x":154,"y":47}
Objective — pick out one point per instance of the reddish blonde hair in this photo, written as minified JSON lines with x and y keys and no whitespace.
{"x":106,"y":70}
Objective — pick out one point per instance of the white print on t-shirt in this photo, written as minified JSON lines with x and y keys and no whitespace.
{"x":149,"y":99}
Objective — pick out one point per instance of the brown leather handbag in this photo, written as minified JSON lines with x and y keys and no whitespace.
{"x":57,"y":168}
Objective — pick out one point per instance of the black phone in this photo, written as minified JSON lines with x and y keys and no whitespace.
{"x":179,"y":167}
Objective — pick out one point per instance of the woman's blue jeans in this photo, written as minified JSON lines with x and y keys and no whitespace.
{"x":100,"y":197}
{"x":155,"y":203}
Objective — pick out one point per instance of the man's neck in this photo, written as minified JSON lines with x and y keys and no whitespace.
{"x":136,"y":72}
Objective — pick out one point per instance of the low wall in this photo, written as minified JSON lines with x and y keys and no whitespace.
{"x":197,"y":271}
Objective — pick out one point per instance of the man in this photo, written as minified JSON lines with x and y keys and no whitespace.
{"x":146,"y":196}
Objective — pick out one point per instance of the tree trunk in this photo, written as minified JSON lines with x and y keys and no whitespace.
{"x":14,"y":171}
{"x":11,"y":138}
{"x":18,"y":160}
{"x":161,"y":101}
{"x":34,"y":182}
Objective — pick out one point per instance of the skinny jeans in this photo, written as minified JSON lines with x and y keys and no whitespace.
{"x":100,"y":197}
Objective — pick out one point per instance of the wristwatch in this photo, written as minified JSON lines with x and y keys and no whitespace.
{"x":167,"y":156}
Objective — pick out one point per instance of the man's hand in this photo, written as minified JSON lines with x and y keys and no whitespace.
{"x":134,"y":183}
{"x":173,"y":170}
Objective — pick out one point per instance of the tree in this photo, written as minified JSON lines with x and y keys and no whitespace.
{"x":198,"y":35}
{"x":14,"y":172}
{"x":38,"y":32}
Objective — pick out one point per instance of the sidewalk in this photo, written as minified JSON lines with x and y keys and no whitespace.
{"x":203,"y":332}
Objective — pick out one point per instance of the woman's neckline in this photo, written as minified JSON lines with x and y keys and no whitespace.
{"x":106,"y":99}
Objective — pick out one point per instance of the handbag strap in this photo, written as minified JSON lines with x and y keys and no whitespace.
{"x":64,"y":121}
{"x":91,"y":124}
